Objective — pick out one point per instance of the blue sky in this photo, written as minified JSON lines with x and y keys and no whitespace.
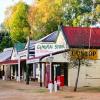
{"x":6,"y":3}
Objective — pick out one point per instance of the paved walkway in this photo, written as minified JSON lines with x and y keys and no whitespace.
{"x":11,"y":90}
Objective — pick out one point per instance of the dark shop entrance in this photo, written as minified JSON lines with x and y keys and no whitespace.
{"x":60,"y":69}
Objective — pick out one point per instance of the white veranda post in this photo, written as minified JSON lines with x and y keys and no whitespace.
{"x":50,"y":61}
{"x":50,"y":86}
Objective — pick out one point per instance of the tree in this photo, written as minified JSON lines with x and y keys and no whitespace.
{"x":5,"y":40}
{"x":98,"y":9}
{"x":17,"y":22}
{"x":90,"y":17}
{"x":75,"y":10}
{"x":45,"y":16}
{"x":5,"y":43}
{"x":79,"y":57}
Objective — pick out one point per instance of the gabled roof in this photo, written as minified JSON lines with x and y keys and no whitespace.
{"x":78,"y":37}
{"x":31,"y":45}
{"x":5,"y":55}
{"x":50,"y":38}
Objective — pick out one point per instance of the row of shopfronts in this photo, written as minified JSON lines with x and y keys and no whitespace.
{"x":48,"y":58}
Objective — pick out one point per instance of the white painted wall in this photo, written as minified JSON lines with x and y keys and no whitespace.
{"x":14,"y":55}
{"x":61,"y":40}
{"x":72,"y":73}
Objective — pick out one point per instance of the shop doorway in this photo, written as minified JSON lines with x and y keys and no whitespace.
{"x":60,"y":69}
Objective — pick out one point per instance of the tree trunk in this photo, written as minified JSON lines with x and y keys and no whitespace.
{"x":77,"y":78}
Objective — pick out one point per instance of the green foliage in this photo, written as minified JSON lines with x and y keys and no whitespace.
{"x":81,"y":13}
{"x":75,"y":9}
{"x":6,"y":42}
{"x":45,"y":16}
{"x":17,"y":22}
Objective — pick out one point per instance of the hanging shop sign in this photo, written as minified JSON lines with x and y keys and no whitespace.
{"x":47,"y":48}
{"x":84,"y":53}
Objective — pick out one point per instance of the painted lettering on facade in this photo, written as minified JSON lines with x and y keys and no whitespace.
{"x":43,"y":49}
{"x":49,"y":46}
{"x":85,"y":53}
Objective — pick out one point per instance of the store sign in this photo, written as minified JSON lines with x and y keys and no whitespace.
{"x":43,"y":49}
{"x":84,"y":53}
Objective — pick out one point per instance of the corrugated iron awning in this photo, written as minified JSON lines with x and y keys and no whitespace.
{"x":11,"y":62}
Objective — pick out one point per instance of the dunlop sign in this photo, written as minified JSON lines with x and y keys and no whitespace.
{"x":84,"y":53}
